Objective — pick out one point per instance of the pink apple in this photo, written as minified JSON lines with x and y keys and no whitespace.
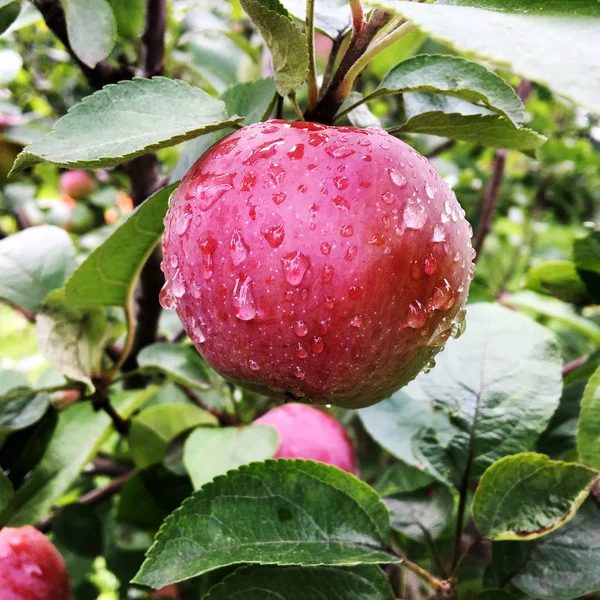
{"x":309,"y":433}
{"x":77,"y":184}
{"x":317,"y":262}
{"x":31,"y":568}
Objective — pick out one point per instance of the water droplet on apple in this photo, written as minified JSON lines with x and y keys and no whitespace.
{"x":387,"y":197}
{"x":274,"y":235}
{"x":341,"y":203}
{"x":417,"y":315}
{"x":296,"y":152}
{"x":325,"y":248}
{"x":253,"y":365}
{"x":165,"y":298}
{"x":377,"y":239}
{"x":327,"y":274}
{"x":207,"y":249}
{"x":238,"y":248}
{"x":443,"y":296}
{"x":329,"y":303}
{"x":182,"y":224}
{"x":439,"y":235}
{"x":299,"y":373}
{"x":317,"y":346}
{"x":177,"y":287}
{"x":279,"y":197}
{"x":300,"y":328}
{"x":347,"y":230}
{"x":341,"y":182}
{"x":356,"y":321}
{"x":397,"y":178}
{"x":351,"y":253}
{"x":265,"y":150}
{"x":295,"y":265}
{"x":429,"y":191}
{"x":339,"y":151}
{"x":243,"y":299}
{"x":429,"y":264}
{"x":301,"y":351}
{"x":414,"y":216}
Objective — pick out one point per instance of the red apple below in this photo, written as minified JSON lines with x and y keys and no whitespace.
{"x":309,"y":433}
{"x":31,"y":568}
{"x":77,"y":184}
{"x":317,"y":262}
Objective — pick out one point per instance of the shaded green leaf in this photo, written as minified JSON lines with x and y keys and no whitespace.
{"x":211,"y":452}
{"x":524,"y":41}
{"x":588,"y":430}
{"x":528,"y":495}
{"x":454,"y":76}
{"x":125,"y":120}
{"x":107,"y":276}
{"x":79,"y":528}
{"x":365,"y":582}
{"x":71,"y":339}
{"x":422,"y":514}
{"x":564,"y":564}
{"x":558,"y":278}
{"x":153,"y":429}
{"x":9,"y":11}
{"x":22,"y":411}
{"x":10,"y":379}
{"x":6,"y":492}
{"x":311,"y":514}
{"x":181,"y":363}
{"x":91,"y":28}
{"x":401,"y":478}
{"x":285,"y":41}
{"x":34,"y":262}
{"x":586,"y":253}
{"x":78,"y":436}
{"x":130,"y":17}
{"x":555,"y":309}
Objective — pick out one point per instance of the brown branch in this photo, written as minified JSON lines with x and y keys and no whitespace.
{"x":447,"y":145}
{"x":100,"y":75}
{"x":101,"y":401}
{"x":574,"y":364}
{"x":153,"y":55}
{"x":330,"y":102}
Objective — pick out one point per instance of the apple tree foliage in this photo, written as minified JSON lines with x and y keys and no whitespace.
{"x":478,"y":479}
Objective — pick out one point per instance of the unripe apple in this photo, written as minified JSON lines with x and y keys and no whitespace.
{"x":31,"y":568}
{"x":309,"y":433}
{"x":317,"y":262}
{"x":77,"y":184}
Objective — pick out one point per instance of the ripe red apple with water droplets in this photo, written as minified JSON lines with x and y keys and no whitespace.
{"x":31,"y":568}
{"x":321,"y":263}
{"x":309,"y":433}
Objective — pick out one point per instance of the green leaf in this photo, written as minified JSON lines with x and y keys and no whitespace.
{"x":563,"y":564}
{"x":10,"y":379}
{"x":22,"y":411}
{"x":78,"y":436}
{"x":454,"y":76}
{"x":285,"y":41}
{"x":211,"y":452}
{"x":530,"y":42}
{"x":130,"y":17}
{"x":310,"y":514}
{"x":153,"y":429}
{"x":253,"y":99}
{"x":125,"y":120}
{"x":91,"y":28}
{"x":332,"y":17}
{"x":588,"y":430}
{"x":79,"y":528}
{"x":491,"y":394}
{"x":555,"y":309}
{"x":301,"y":583}
{"x":423,"y":514}
{"x":181,"y":363}
{"x":558,"y":278}
{"x":401,"y":478}
{"x":34,"y":262}
{"x":6,"y":492}
{"x":528,"y":495}
{"x":586,"y":253}
{"x":487,"y":129}
{"x":107,"y":276}
{"x":9,"y":11}
{"x":71,"y":339}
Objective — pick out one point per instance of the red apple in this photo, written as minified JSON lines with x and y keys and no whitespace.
{"x":169,"y":591}
{"x":31,"y":568}
{"x":317,"y":262}
{"x":77,"y":184}
{"x":309,"y":433}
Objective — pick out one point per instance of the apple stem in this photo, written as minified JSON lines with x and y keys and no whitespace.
{"x":296,"y":106}
{"x":313,"y":90}
{"x":358,"y":16}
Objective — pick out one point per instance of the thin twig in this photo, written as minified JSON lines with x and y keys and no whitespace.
{"x":358,"y":16}
{"x":311,"y":81}
{"x":574,"y":364}
{"x":444,"y":587}
{"x":47,"y":390}
{"x":153,"y":53}
{"x":328,"y":74}
{"x":101,"y":401}
{"x":296,"y":106}
{"x":447,"y":145}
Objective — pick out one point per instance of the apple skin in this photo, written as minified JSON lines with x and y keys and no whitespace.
{"x":315,"y":262}
{"x":77,"y":184}
{"x":309,"y":433}
{"x":31,"y":568}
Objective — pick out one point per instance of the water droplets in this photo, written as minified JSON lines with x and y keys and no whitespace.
{"x":327,"y":273}
{"x":243,"y":299}
{"x":279,"y":197}
{"x":347,"y":230}
{"x":397,"y":178}
{"x":318,"y":345}
{"x":351,"y":253}
{"x":341,"y":203}
{"x":238,"y":248}
{"x":329,"y":302}
{"x":295,"y":265}
{"x":417,"y":315}
{"x":253,"y":365}
{"x":207,"y":250}
{"x":439,"y":235}
{"x":296,"y":152}
{"x":166,"y":298}
{"x":264,"y":150}
{"x":325,"y":248}
{"x":356,"y":321}
{"x":443,"y":296}
{"x":197,"y":331}
{"x":177,"y":286}
{"x":299,"y":373}
{"x":387,"y":198}
{"x":341,"y":182}
{"x":183,"y":220}
{"x":429,"y":264}
{"x":211,"y":188}
{"x":301,"y":350}
{"x":300,"y":328}
{"x":274,"y":235}
{"x":414,"y":216}
{"x":429,"y":191}
{"x":248,"y":182}
{"x":377,"y":239}
{"x":318,"y":139}
{"x":339,"y":151}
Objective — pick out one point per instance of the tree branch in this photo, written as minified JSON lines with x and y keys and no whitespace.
{"x":153,"y":54}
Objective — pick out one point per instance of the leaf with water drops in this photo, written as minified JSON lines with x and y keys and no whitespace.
{"x":304,"y":583}
{"x":107,"y":276}
{"x":311,"y":514}
{"x":125,"y":120}
{"x":454,"y":76}
{"x":285,"y":41}
{"x":528,"y":495}
{"x":547,"y":41}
